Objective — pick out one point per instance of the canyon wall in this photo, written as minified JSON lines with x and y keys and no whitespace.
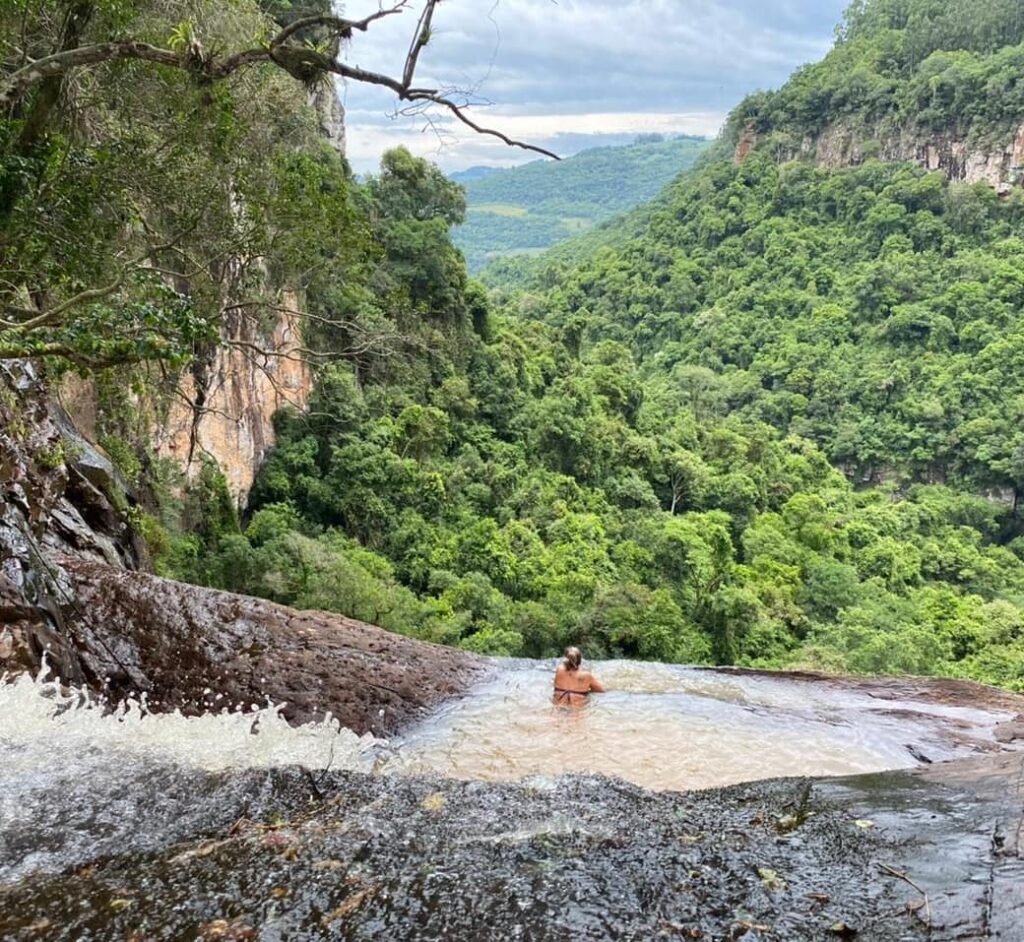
{"x":844,"y":144}
{"x":225,"y":404}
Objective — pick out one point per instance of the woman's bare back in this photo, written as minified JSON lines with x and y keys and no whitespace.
{"x":573,"y":686}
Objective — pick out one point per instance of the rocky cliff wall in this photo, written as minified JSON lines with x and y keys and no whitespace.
{"x":330,"y":113}
{"x":842,"y":144}
{"x":226,"y":403}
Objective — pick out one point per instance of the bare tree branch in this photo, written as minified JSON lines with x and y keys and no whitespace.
{"x":342,"y":27}
{"x":460,"y":113}
{"x":420,"y":38}
{"x":298,"y":60}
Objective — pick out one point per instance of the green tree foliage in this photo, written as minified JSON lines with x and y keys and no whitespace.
{"x":531,"y":207}
{"x":775,"y":421}
{"x":162,"y":176}
{"x":905,"y":64}
{"x":137,"y":201}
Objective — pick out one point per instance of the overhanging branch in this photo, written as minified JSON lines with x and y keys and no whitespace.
{"x":340,"y":26}
{"x":297,"y":59}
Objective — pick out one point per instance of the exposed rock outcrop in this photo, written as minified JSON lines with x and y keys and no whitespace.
{"x":1001,"y":166}
{"x":198,"y":649}
{"x":228,"y":401}
{"x":748,"y":138}
{"x":223,"y":406}
{"x":57,"y":495}
{"x":330,"y":113}
{"x":285,"y":855}
{"x":69,"y":592}
{"x":843,"y":144}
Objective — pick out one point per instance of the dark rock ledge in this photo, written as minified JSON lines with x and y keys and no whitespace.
{"x":284,"y":855}
{"x":183,"y":646}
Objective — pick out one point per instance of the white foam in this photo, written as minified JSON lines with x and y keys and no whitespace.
{"x":40,"y":721}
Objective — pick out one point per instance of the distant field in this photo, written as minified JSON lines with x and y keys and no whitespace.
{"x":524,"y":210}
{"x":500,"y":209}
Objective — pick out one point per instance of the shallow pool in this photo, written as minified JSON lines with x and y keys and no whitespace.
{"x":669,"y":727}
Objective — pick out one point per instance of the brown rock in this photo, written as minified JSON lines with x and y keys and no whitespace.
{"x":239,"y":393}
{"x":1008,"y":732}
{"x":183,"y":645}
{"x":745,"y":144}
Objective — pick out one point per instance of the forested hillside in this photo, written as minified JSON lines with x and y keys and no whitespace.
{"x":780,"y":426}
{"x":529,"y":208}
{"x":920,"y":65}
{"x":778,"y":421}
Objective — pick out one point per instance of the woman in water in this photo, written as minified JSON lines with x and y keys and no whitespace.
{"x":572,"y":685}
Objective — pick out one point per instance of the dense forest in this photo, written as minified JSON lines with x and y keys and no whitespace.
{"x":899,"y":65}
{"x":531,"y":207}
{"x":780,"y":422}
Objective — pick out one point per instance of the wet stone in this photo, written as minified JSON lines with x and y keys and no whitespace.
{"x":369,"y":857}
{"x":1009,"y":732}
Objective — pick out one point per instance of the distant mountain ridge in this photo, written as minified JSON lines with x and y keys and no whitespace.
{"x":473,"y":173}
{"x":526,"y":209}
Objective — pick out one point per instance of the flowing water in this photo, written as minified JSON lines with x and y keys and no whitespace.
{"x":129,"y":825}
{"x":78,"y":781}
{"x":669,"y":727}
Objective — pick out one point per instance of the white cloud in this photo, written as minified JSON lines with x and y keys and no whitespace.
{"x":453,"y":147}
{"x":581,"y":67}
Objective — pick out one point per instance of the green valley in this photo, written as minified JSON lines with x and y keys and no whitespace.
{"x":774,"y":417}
{"x":526,"y":209}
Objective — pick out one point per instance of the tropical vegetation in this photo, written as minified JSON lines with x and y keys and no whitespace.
{"x":778,"y":420}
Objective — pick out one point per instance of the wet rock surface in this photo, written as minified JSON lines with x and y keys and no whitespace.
{"x":198,"y":649}
{"x":45,"y":499}
{"x":70,"y":592}
{"x":294,"y":855}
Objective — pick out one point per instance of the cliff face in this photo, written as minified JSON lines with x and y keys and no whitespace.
{"x":330,"y":113}
{"x":227,"y":403}
{"x":1002,"y":167}
{"x":843,"y":144}
{"x":71,"y":592}
{"x":58,"y":495}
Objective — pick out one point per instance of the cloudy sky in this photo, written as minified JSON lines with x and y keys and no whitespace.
{"x":570,"y":74}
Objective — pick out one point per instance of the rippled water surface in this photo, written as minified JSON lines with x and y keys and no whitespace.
{"x":665,"y":727}
{"x":78,"y":782}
